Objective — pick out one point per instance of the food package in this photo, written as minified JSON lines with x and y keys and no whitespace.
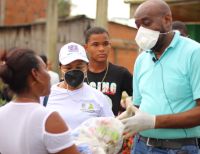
{"x":99,"y":135}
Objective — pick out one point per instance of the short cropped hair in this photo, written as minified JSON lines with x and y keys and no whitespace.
{"x":94,"y":30}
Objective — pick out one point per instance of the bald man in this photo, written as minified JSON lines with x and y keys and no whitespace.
{"x":166,"y":86}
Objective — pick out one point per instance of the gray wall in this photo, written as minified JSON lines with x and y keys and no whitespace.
{"x":33,"y":35}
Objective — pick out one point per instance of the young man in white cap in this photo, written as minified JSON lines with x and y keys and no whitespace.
{"x":72,"y":98}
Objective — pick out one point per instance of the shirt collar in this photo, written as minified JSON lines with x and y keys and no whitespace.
{"x":175,"y":39}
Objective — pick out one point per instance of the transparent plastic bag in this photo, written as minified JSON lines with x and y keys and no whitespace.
{"x":99,"y":135}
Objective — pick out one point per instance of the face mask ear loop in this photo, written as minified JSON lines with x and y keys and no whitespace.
{"x":85,"y":74}
{"x":65,"y":80}
{"x":63,"y":75}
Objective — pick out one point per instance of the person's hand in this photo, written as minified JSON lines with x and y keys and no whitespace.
{"x":126,"y":101}
{"x":126,"y":114}
{"x":139,"y":122}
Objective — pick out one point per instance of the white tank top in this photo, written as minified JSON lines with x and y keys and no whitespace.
{"x":22,"y":130}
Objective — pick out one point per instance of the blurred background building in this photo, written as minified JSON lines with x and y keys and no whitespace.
{"x":23,"y":24}
{"x":21,"y":11}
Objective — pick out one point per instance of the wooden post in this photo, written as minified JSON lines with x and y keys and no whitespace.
{"x":101,"y":13}
{"x":51,"y":33}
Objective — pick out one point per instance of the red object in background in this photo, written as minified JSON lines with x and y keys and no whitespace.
{"x":127,"y":145}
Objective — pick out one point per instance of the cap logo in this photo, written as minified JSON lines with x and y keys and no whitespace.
{"x":73,"y":48}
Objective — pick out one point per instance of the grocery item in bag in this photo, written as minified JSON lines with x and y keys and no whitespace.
{"x":99,"y":135}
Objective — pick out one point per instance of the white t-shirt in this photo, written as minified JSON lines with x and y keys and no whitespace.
{"x":79,"y":105}
{"x":22,"y":130}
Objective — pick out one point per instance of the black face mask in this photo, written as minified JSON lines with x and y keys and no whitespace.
{"x":74,"y":78}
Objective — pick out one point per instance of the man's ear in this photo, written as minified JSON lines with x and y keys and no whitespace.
{"x":35,"y":74}
{"x":168,"y":21}
{"x":85,"y":46}
{"x":86,"y":68}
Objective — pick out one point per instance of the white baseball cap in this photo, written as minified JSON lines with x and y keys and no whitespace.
{"x":71,"y":52}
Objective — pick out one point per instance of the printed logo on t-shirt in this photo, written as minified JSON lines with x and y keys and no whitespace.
{"x":108,"y":88}
{"x":87,"y":107}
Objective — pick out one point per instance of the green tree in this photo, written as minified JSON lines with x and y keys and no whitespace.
{"x":2,"y":102}
{"x":64,"y":8}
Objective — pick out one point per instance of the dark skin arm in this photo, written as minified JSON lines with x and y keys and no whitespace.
{"x":186,"y":119}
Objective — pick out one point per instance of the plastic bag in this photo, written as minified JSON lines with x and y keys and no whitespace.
{"x":99,"y":135}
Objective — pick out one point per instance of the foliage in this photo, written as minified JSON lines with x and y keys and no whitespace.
{"x":64,"y":8}
{"x":2,"y":102}
{"x":1,"y":85}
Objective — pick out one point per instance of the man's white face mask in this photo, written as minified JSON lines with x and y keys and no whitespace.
{"x":146,"y":38}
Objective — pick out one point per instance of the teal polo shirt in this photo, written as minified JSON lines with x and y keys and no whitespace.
{"x":170,"y":85}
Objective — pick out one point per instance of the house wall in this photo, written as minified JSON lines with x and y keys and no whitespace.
{"x":34,"y":35}
{"x":23,"y":11}
{"x":124,"y":49}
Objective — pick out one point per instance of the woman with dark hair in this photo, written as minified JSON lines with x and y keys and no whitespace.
{"x":26,"y":126}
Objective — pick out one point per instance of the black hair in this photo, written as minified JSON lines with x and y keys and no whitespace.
{"x":94,"y":30}
{"x":15,"y":67}
{"x":179,"y":25}
{"x":44,"y":58}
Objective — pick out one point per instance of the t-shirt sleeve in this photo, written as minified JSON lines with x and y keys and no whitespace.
{"x":136,"y":92}
{"x":194,"y":72}
{"x":127,"y":82}
{"x":56,"y":142}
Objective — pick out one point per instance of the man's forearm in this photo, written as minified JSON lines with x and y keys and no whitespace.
{"x":186,"y":119}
